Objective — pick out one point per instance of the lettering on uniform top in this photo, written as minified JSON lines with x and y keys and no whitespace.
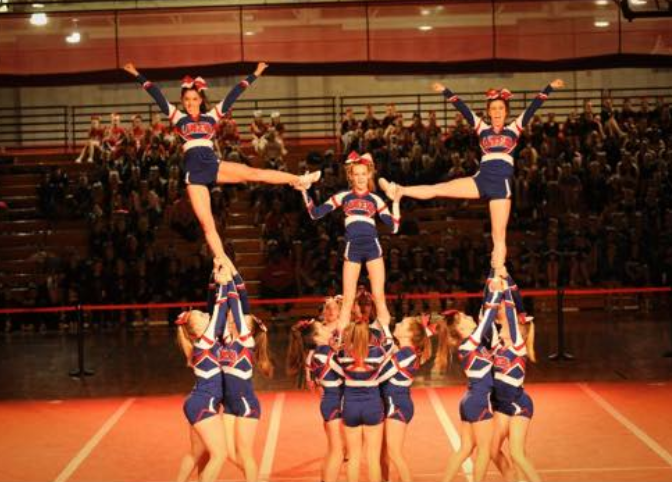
{"x":502,"y":363}
{"x":490,"y":141}
{"x":227,"y":357}
{"x":359,"y":207}
{"x":197,"y":128}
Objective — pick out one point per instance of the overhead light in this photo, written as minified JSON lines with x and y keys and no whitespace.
{"x":638,"y":2}
{"x":601,"y":23}
{"x":425,"y":12}
{"x":249,"y":33}
{"x":425,"y":28}
{"x":37,"y":5}
{"x":39,"y":19}
{"x":73,"y":38}
{"x":602,"y":3}
{"x":439,"y":8}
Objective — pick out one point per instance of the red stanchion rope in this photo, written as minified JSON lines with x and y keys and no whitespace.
{"x":320,"y":299}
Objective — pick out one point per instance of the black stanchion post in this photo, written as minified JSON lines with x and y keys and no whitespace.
{"x":668,"y":353}
{"x":81,"y":371}
{"x":561,"y":354}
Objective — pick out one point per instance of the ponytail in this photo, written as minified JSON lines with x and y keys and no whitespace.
{"x":442,"y":346}
{"x":357,"y":340}
{"x":420,"y":339}
{"x":262,"y":358}
{"x":184,"y":343}
{"x":185,"y":335}
{"x":300,"y":343}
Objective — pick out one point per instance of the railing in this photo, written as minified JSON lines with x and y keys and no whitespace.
{"x":559,"y":297}
{"x":304,"y":117}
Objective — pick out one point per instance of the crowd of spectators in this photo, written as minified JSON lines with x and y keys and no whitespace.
{"x":592,"y":206}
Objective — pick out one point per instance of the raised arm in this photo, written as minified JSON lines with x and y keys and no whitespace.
{"x":469,"y":115}
{"x":485,"y":321}
{"x":317,"y":212}
{"x":512,"y":317}
{"x":242,"y":291}
{"x":391,"y":219}
{"x":225,"y":105}
{"x":233,"y":300}
{"x":538,"y":101}
{"x":152,"y":89}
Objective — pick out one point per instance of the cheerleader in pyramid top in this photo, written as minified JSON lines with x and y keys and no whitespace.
{"x":197,"y":128}
{"x":472,"y":341}
{"x":198,"y":335}
{"x":493,"y":180}
{"x":413,"y":348}
{"x":360,"y":206}
{"x":311,"y":347}
{"x":513,"y":407}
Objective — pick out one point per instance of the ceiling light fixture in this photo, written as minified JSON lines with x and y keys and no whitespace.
{"x":39,"y":19}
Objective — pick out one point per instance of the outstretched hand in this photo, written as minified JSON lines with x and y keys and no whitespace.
{"x":438,"y":87}
{"x":130,"y":68}
{"x":558,"y":84}
{"x":261,"y":66}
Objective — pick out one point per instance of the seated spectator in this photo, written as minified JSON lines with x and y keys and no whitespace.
{"x":93,"y":144}
{"x":258,"y":128}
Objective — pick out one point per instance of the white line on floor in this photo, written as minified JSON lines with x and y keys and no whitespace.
{"x":638,"y":432}
{"x":91,"y":444}
{"x":272,"y":438}
{"x":450,"y":430}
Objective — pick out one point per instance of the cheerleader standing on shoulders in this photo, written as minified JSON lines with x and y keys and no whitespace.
{"x":360,"y":206}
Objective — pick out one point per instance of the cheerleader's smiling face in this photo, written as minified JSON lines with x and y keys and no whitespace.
{"x":360,"y":178}
{"x":497,"y":111}
{"x":191,"y":101}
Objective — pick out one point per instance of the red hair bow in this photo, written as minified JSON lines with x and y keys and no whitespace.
{"x":259,"y":323}
{"x":430,"y":329}
{"x":302,"y":325}
{"x":448,"y":313}
{"x":355,"y":158}
{"x":198,"y":83}
{"x":497,"y":94}
{"x":182,"y":318}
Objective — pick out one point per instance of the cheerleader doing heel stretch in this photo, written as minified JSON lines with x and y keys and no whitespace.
{"x":197,"y":127}
{"x":493,"y":180}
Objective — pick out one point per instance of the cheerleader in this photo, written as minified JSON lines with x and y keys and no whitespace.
{"x":413,"y":349}
{"x":360,"y":206}
{"x":198,"y":335}
{"x":197,"y":127}
{"x":244,"y":348}
{"x":361,"y":360}
{"x":472,"y":342}
{"x":513,"y":407}
{"x":493,"y":180}
{"x":311,"y":344}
